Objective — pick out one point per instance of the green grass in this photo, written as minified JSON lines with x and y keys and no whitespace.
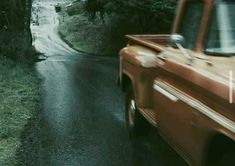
{"x":90,"y":36}
{"x":19,"y":100}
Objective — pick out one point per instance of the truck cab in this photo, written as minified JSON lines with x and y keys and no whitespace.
{"x":183,"y":83}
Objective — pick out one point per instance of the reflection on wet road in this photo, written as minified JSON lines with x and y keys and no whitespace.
{"x":82,"y":117}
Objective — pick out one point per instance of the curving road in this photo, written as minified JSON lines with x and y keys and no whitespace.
{"x":82,"y":118}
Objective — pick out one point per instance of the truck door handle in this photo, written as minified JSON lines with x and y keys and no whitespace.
{"x":162,"y":57}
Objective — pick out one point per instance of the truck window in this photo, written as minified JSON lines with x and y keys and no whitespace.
{"x":220,"y":37}
{"x":190,"y":22}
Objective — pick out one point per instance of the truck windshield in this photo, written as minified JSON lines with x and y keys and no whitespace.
{"x":221,"y":32}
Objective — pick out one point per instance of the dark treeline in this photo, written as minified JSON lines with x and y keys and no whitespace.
{"x":143,"y":16}
{"x":15,"y":35}
{"x":121,"y":17}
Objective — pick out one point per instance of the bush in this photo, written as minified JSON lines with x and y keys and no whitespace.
{"x":17,"y":46}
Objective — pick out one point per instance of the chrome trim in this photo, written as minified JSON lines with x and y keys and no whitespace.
{"x":230,"y":86}
{"x":202,"y":108}
{"x":165,"y":93}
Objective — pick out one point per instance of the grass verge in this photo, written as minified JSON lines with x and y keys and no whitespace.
{"x":19,"y":100}
{"x":89,"y":35}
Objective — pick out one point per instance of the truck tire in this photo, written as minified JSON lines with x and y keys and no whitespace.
{"x":137,"y":125}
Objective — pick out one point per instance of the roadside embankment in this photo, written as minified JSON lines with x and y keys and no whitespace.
{"x":91,"y":36}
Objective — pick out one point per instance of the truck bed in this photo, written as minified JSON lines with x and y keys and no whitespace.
{"x":155,"y":42}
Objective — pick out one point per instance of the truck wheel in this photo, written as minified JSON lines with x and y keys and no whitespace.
{"x":137,"y":125}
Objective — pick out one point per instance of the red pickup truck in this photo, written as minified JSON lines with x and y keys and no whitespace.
{"x":183,"y":82}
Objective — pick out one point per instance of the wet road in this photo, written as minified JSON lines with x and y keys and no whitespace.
{"x":82,"y":118}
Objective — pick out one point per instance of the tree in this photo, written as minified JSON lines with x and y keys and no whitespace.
{"x":15,"y":35}
{"x":142,"y":14}
{"x":95,"y":6}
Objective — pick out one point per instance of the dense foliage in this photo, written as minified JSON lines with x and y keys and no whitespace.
{"x":15,"y":35}
{"x":100,"y":26}
{"x":148,"y":16}
{"x":13,"y":14}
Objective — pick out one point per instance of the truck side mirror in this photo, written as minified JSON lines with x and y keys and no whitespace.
{"x":176,"y":39}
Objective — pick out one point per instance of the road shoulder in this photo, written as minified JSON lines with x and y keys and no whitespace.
{"x":19,"y":104}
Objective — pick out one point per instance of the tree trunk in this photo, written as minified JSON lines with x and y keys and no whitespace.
{"x":15,"y":34}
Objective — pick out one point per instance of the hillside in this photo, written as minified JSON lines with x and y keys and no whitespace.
{"x":92,"y":27}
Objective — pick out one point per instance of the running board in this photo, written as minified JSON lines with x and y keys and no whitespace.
{"x":150,"y":115}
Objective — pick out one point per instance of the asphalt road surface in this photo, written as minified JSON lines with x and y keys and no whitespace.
{"x":82,"y":121}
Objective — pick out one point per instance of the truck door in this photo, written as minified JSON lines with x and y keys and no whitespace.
{"x":172,"y":94}
{"x":177,"y":119}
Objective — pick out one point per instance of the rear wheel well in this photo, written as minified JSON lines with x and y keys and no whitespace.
{"x":219,"y":146}
{"x":126,"y":82}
